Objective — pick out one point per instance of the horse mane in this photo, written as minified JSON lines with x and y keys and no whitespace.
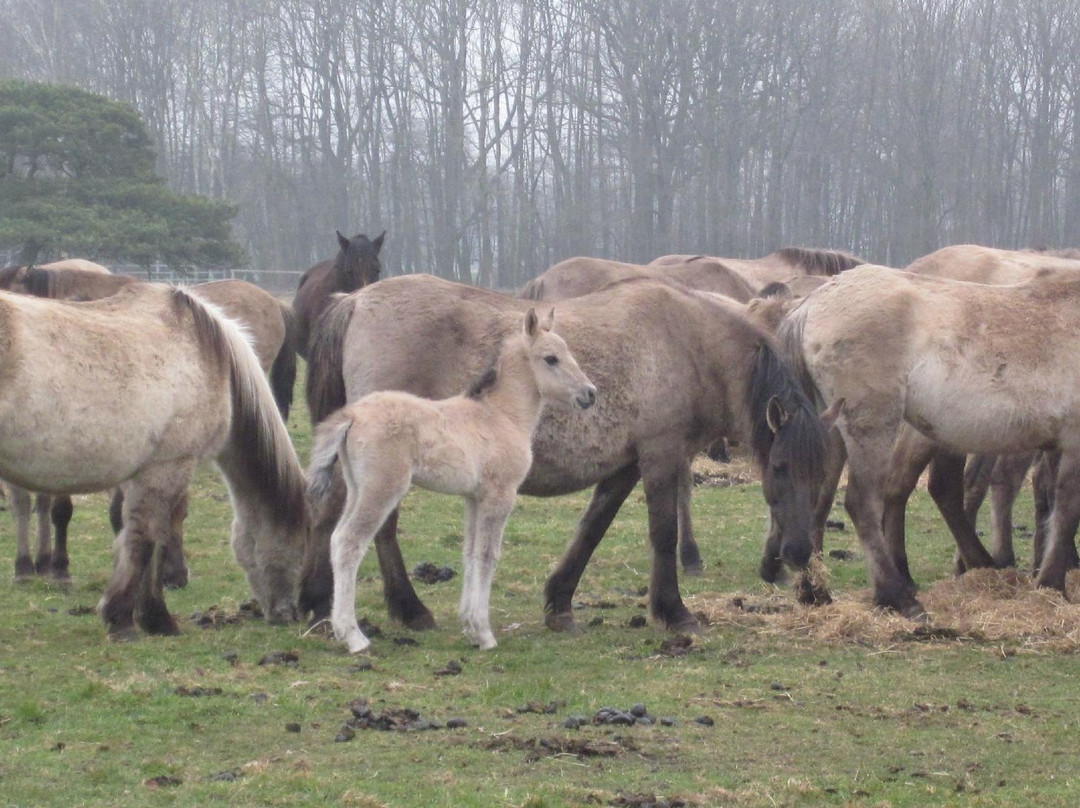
{"x":776,"y":289}
{"x":772,"y":376}
{"x":533,"y":290}
{"x":256,"y":433}
{"x":283,"y":369}
{"x":40,"y":282}
{"x":482,"y":383}
{"x":819,"y":262}
{"x":325,"y":383}
{"x":1072,"y":253}
{"x":8,"y":275}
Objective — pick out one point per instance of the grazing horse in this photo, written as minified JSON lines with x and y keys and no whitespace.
{"x":575,"y":277}
{"x":268,"y":321}
{"x":356,"y":265}
{"x":144,"y":385}
{"x":477,"y":445}
{"x":780,"y":265}
{"x":677,"y":369}
{"x":971,"y":368}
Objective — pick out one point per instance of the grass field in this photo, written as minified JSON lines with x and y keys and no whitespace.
{"x":772,"y":706}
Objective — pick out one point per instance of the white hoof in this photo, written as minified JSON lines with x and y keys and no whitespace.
{"x":485,"y":640}
{"x":355,"y":640}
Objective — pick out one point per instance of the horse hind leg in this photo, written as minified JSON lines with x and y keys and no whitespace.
{"x":43,"y":558}
{"x":1063,"y":522}
{"x":402,"y":603}
{"x":689,"y":552}
{"x":60,"y":515}
{"x":20,"y":503}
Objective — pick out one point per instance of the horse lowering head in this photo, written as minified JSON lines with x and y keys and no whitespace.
{"x":789,"y":444}
{"x":558,"y":377}
{"x":357,"y":262}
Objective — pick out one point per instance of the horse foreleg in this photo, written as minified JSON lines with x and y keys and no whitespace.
{"x":1063,"y":523}
{"x":864,"y":504}
{"x":485,"y":549}
{"x":60,"y":516}
{"x":946,"y":488}
{"x":21,"y":505}
{"x":689,"y":552}
{"x":909,"y":457}
{"x":43,"y":558}
{"x":607,"y":498}
{"x":661,"y":499}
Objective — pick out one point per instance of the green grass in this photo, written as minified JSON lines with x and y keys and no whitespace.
{"x":796,"y":721}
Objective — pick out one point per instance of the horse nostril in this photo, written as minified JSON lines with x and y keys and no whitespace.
{"x":587,"y":399}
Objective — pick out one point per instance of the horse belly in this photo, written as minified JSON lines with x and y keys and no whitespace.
{"x":975,"y":411}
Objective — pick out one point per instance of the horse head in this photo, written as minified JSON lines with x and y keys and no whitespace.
{"x":357,"y":262}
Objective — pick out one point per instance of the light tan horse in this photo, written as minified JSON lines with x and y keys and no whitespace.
{"x":143,"y":386}
{"x":476,"y":445}
{"x":76,"y":263}
{"x":575,"y":277}
{"x":777,"y":266}
{"x":268,"y":321}
{"x":972,"y":368}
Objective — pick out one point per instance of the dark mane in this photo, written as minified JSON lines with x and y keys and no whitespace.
{"x":1072,"y":253}
{"x":819,"y":262}
{"x":482,"y":383}
{"x":776,"y":289}
{"x":8,"y":275}
{"x":39,"y":282}
{"x":772,"y":376}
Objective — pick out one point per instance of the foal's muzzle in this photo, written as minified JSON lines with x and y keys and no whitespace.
{"x":586,"y":398}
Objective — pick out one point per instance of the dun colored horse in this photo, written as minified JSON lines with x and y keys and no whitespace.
{"x":145,"y":385}
{"x":970,"y":368}
{"x":476,"y":445}
{"x":778,"y":266}
{"x":677,"y":369}
{"x":356,"y":265}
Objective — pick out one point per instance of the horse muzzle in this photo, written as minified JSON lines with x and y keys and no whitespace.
{"x":586,"y":398}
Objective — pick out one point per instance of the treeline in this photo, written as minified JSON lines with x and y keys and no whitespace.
{"x":499,"y":136}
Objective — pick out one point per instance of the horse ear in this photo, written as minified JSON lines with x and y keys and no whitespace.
{"x":377,"y":241}
{"x":775,"y":414}
{"x":342,"y":241}
{"x":549,"y":320}
{"x":832,"y":414}
{"x":531,"y":324}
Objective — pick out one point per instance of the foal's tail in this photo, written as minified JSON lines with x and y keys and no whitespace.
{"x":283,"y":371}
{"x":329,"y":439}
{"x":325,"y":378}
{"x":271,"y":470}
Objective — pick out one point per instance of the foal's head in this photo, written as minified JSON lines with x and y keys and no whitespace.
{"x":558,"y":377}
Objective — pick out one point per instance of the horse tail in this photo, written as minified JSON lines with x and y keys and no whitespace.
{"x":330,"y":438}
{"x":819,"y":262}
{"x":283,"y":370}
{"x":325,"y":378}
{"x":271,"y":469}
{"x":533,"y":290}
{"x":772,"y":377}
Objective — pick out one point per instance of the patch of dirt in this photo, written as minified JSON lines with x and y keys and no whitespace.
{"x":537,"y":748}
{"x":1001,"y":608}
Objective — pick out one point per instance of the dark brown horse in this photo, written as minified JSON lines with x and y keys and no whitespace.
{"x":675,"y":369}
{"x":356,"y":265}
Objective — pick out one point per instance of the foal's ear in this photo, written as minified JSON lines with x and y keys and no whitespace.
{"x":531,"y":324}
{"x":549,"y":321}
{"x":342,"y":241}
{"x":832,"y":414}
{"x":775,"y":414}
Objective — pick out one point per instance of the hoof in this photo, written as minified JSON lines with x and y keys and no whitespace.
{"x":693,"y":569}
{"x":24,"y":570}
{"x":772,"y":571}
{"x":561,"y":621}
{"x":686,"y":625}
{"x":125,"y":634}
{"x":420,"y":622}
{"x":485,"y":643}
{"x":810,"y":594}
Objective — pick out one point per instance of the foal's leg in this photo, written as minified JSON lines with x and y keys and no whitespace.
{"x":689,"y":552}
{"x":60,"y":516}
{"x":20,"y":502}
{"x":1063,"y":523}
{"x":607,"y":498}
{"x":483,"y":551}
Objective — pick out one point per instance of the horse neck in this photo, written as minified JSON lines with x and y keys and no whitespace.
{"x":515,"y":392}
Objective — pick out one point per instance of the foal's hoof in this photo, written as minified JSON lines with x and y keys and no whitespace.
{"x":561,"y":621}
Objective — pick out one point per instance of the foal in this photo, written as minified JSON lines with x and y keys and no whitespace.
{"x":477,"y":445}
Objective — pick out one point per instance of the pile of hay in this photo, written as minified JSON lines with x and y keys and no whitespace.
{"x":999,"y":607}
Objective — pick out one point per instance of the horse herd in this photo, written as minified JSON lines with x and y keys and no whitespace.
{"x":808,"y":358}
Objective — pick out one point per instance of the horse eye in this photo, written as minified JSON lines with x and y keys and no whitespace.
{"x":551,"y":360}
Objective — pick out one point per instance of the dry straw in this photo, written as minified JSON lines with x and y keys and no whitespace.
{"x":998,"y":607}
